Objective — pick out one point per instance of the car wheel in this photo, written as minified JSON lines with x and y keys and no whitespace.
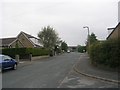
{"x":15,"y":67}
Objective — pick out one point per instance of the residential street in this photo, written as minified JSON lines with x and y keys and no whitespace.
{"x":53,"y":72}
{"x":60,"y":44}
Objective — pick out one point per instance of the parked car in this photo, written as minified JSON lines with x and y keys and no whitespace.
{"x":68,"y":51}
{"x":7,"y":62}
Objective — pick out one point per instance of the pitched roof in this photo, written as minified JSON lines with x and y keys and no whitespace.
{"x":113,"y":30}
{"x":7,"y":41}
{"x":28,"y":35}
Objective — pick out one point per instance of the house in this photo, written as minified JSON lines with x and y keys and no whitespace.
{"x":72,"y":48}
{"x":23,"y":40}
{"x":9,"y":42}
{"x":115,"y":34}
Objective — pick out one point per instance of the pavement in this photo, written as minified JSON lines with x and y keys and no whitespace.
{"x":84,"y":67}
{"x":26,"y":62}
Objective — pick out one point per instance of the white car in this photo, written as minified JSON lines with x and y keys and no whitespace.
{"x":68,"y":51}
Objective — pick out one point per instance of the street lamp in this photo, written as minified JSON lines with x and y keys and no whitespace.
{"x":88,"y":36}
{"x":110,"y":28}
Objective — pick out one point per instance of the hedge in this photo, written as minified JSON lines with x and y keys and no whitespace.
{"x":24,"y":52}
{"x":38,"y":51}
{"x":82,"y":49}
{"x":106,"y":53}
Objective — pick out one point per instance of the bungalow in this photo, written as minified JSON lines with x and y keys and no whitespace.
{"x":22,"y":40}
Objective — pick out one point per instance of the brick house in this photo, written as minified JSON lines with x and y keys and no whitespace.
{"x":22,"y":40}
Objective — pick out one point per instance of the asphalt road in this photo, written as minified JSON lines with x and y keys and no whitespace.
{"x":41,"y":74}
{"x":53,"y":72}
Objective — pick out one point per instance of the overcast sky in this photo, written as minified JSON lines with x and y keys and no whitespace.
{"x":67,"y":17}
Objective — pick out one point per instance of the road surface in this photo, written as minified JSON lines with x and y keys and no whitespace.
{"x":53,"y":72}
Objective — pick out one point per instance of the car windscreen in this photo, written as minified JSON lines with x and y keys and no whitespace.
{"x":1,"y":58}
{"x":4,"y":57}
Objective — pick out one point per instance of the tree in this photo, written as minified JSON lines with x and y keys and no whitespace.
{"x":81,"y":49}
{"x":92,"y":38}
{"x":48,"y":37}
{"x":64,"y":46}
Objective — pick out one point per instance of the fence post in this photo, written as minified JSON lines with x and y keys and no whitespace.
{"x":17,"y":58}
{"x":30,"y":57}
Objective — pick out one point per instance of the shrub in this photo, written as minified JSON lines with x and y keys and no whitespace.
{"x":38,"y":51}
{"x":81,"y":49}
{"x":13,"y":51}
{"x":24,"y":52}
{"x":106,"y":53}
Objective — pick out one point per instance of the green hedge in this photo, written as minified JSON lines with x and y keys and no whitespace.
{"x":38,"y":51}
{"x":24,"y":52}
{"x":82,"y":49}
{"x":106,"y":53}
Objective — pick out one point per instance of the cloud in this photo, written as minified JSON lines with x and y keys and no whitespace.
{"x":67,"y":16}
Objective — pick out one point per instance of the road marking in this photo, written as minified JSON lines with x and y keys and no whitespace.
{"x":68,"y":73}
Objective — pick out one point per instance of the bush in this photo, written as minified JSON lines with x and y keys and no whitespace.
{"x":13,"y":51}
{"x":106,"y":53}
{"x":38,"y":51}
{"x":81,"y":49}
{"x":24,"y":52}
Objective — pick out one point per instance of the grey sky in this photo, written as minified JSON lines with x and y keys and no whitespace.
{"x":67,"y":16}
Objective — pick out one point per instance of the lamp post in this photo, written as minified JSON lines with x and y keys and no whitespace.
{"x":88,"y":35}
{"x":110,"y":28}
